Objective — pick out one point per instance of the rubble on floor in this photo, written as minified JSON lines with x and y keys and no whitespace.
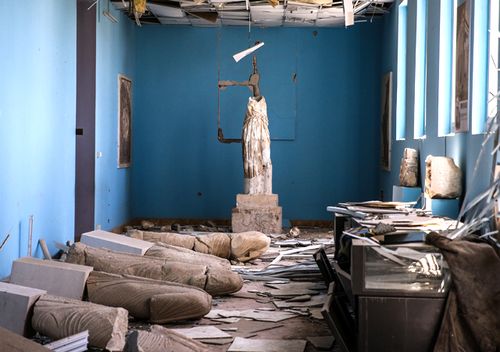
{"x":277,"y":305}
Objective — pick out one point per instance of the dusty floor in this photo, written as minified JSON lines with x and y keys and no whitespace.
{"x":251,"y":297}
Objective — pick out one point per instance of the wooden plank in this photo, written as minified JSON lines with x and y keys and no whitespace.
{"x":203,"y":332}
{"x":266,"y":345}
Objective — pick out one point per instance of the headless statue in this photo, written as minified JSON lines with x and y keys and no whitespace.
{"x":255,"y":138}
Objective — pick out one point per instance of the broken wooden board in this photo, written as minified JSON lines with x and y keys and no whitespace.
{"x":203,"y":332}
{"x":270,"y":316}
{"x":218,"y":342}
{"x":266,"y":345}
{"x":315,"y":301}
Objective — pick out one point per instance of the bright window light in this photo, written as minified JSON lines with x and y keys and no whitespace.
{"x":401,"y":71}
{"x":446,"y":62}
{"x":493,"y":58}
{"x":479,"y":67}
{"x":420,"y":70}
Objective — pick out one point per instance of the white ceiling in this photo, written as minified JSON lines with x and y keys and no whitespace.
{"x":257,"y":13}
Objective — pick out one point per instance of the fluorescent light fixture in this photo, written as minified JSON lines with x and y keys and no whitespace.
{"x":237,"y":57}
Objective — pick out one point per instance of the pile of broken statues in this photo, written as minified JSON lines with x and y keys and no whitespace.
{"x":155,"y":277}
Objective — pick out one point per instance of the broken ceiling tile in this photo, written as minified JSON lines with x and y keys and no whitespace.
{"x":330,"y":22}
{"x":237,"y":22}
{"x":174,"y":20}
{"x":165,"y":11}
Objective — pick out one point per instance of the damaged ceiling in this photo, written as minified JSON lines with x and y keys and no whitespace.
{"x":258,"y":13}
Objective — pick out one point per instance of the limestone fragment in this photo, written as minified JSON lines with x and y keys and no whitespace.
{"x":246,"y":246}
{"x":154,"y":300}
{"x":216,"y":280}
{"x":58,"y":317}
{"x":243,"y":246}
{"x":161,"y":339}
{"x":443,"y":179}
{"x":408,"y":172}
{"x":180,"y":254}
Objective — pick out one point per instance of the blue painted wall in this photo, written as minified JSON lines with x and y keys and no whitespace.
{"x":329,"y":118}
{"x":115,"y":54}
{"x":37,"y":124}
{"x":463,"y":147}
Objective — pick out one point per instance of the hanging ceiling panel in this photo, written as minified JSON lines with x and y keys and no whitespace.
{"x":259,"y":13}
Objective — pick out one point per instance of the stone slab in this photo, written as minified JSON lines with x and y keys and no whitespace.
{"x":256,"y":200}
{"x":114,"y":242}
{"x":16,"y":307}
{"x":10,"y":342}
{"x":55,"y":277}
{"x":267,"y":220}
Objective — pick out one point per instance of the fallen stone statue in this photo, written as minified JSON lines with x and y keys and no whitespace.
{"x":216,"y":280}
{"x":58,"y":317}
{"x":180,"y":254}
{"x":161,"y":339}
{"x":154,"y":300}
{"x":242,"y":247}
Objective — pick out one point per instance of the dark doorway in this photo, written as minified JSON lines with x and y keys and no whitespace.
{"x":85,"y":117}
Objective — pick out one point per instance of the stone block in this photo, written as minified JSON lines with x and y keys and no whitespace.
{"x":256,"y":200}
{"x":57,"y":278}
{"x":264,"y":219}
{"x":443,"y":207}
{"x":114,"y":242}
{"x":16,"y":307}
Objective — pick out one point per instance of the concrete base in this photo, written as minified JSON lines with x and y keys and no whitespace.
{"x":114,"y":242}
{"x":257,"y":212}
{"x":16,"y":307}
{"x":443,"y":207}
{"x":57,"y":278}
{"x":405,"y":194}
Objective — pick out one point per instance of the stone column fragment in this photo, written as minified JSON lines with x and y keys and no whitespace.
{"x":58,"y":317}
{"x":214,"y":280}
{"x":154,"y":300}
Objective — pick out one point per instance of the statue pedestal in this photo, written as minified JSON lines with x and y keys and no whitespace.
{"x":257,"y":212}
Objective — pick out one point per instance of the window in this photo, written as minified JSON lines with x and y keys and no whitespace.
{"x":493,"y":59}
{"x":401,"y":71}
{"x":446,"y":80}
{"x":420,"y":70}
{"x":479,"y":67}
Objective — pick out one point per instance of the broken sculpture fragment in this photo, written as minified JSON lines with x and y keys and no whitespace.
{"x":58,"y":317}
{"x":443,"y":179}
{"x":216,"y":280}
{"x":243,"y":246}
{"x":153,"y":300}
{"x":408,"y":172}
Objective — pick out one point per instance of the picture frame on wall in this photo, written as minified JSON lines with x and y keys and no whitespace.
{"x":124,"y":121}
{"x":461,"y":120}
{"x":385,"y":122}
